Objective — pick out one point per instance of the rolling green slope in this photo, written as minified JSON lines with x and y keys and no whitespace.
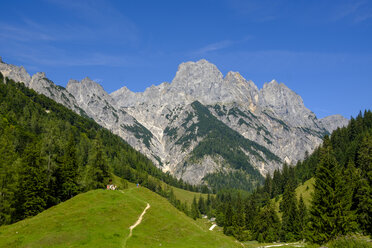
{"x":102,"y":218}
{"x":187,"y":196}
{"x":305,"y":189}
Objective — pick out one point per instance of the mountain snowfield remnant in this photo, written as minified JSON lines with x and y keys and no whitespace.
{"x":182,"y":125}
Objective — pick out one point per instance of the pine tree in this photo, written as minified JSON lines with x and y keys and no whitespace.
{"x":67,"y":172}
{"x":240,"y":215}
{"x":290,"y":217}
{"x":7,"y":175}
{"x":267,"y":224}
{"x":229,"y":213}
{"x":302,"y":217}
{"x":329,"y":212}
{"x":345,"y":218}
{"x":251,"y":212}
{"x":98,"y":169}
{"x":364,"y":193}
{"x":201,"y":205}
{"x":30,"y":197}
{"x":277,"y":183}
{"x":194,"y":209}
{"x":268,"y":185}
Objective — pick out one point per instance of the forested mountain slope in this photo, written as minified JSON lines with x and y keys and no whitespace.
{"x":49,"y":154}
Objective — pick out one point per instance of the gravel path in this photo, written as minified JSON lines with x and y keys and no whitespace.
{"x":136,"y":224}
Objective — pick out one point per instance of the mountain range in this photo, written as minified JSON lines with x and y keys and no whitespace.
{"x":202,"y":125}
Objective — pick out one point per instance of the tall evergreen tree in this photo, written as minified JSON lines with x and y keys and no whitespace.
{"x":251,"y":212}
{"x":364,"y":193}
{"x":30,"y":197}
{"x":98,"y":169}
{"x":67,"y":173}
{"x":267,"y":224}
{"x":328,"y":217}
{"x":195,"y":213}
{"x":228,"y":219}
{"x":201,"y":205}
{"x":7,"y":176}
{"x":302,"y":217}
{"x":290,"y":217}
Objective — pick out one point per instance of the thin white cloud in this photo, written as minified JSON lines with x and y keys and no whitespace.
{"x":215,"y":46}
{"x":24,"y":34}
{"x":220,"y":45}
{"x":357,"y":11}
{"x":86,"y":22}
{"x":103,"y":16}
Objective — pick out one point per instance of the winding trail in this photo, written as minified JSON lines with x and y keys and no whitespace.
{"x":138,"y":221}
{"x":136,"y":224}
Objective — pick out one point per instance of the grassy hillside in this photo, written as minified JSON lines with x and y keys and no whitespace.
{"x":102,"y":218}
{"x":305,"y":189}
{"x":187,"y":196}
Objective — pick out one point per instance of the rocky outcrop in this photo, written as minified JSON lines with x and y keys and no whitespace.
{"x":41,"y":84}
{"x":333,"y":122}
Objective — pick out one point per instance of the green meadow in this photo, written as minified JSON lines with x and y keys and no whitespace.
{"x":102,"y":218}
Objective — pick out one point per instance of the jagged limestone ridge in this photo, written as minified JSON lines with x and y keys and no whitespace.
{"x":157,"y":120}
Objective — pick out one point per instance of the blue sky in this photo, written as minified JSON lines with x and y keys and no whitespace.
{"x":320,"y":49}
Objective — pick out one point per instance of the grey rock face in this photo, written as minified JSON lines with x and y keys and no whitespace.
{"x":40,"y":84}
{"x":333,"y":122}
{"x":163,"y":123}
{"x":274,"y":117}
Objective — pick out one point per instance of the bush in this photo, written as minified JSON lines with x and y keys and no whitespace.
{"x":349,"y":242}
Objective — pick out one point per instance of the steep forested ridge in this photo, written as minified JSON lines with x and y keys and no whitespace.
{"x":342,"y":169}
{"x":49,"y":154}
{"x":340,"y":205}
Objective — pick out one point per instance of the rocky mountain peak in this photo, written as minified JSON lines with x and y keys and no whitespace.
{"x":39,"y":75}
{"x":284,"y":102}
{"x":196,"y":73}
{"x":122,"y":91}
{"x":332,"y":122}
{"x":87,"y":84}
{"x":87,"y":90}
{"x":16,"y":73}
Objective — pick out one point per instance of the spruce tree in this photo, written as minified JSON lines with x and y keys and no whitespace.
{"x":7,"y":175}
{"x":302,"y":217}
{"x":98,"y":169}
{"x":195,"y":213}
{"x":201,"y":205}
{"x":290,"y":217}
{"x":228,"y":219}
{"x":31,"y":194}
{"x":364,"y":193}
{"x":67,"y":173}
{"x":345,"y":220}
{"x":267,"y":224}
{"x":251,"y":212}
{"x":330,"y":210}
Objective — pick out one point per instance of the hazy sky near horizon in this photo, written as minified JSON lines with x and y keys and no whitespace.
{"x":320,"y":49}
